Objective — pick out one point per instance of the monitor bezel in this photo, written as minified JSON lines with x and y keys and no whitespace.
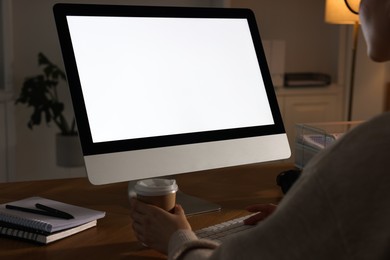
{"x":91,"y":148}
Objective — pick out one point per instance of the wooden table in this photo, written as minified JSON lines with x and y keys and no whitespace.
{"x":233,"y":188}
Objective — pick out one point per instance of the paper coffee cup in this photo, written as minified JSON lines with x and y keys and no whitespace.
{"x":158,"y":192}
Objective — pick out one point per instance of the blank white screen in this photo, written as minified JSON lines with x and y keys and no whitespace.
{"x":144,"y":77}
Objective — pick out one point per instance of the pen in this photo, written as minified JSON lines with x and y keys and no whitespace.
{"x":54,"y":211}
{"x":40,"y":212}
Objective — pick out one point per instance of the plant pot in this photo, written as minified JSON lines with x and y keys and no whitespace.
{"x":68,"y":151}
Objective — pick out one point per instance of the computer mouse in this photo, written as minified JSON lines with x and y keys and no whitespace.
{"x":287,"y":178}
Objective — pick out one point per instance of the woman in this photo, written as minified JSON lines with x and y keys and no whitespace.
{"x":338,"y":209}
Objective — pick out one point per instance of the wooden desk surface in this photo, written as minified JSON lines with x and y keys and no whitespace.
{"x":233,"y":188}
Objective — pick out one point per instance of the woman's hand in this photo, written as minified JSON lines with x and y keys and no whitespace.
{"x":264,"y":210}
{"x":154,"y":226}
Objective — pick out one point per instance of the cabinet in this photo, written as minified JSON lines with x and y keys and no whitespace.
{"x":309,"y":105}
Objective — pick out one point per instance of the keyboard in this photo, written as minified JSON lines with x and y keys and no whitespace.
{"x":221,"y":231}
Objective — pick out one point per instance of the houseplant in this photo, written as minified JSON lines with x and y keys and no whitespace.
{"x":40,"y":93}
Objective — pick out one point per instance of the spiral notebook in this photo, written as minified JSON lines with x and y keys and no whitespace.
{"x":43,"y":223}
{"x":15,"y":231}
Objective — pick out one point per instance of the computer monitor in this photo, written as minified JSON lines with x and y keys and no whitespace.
{"x":159,"y":91}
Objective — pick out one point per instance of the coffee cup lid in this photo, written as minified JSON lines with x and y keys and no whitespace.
{"x":155,"y":187}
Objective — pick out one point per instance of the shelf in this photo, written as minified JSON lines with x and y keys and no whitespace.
{"x":304,"y":91}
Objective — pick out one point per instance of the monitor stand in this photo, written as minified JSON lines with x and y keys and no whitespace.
{"x":191,"y":205}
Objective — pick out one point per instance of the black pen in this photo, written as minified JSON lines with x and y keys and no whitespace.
{"x":40,"y":212}
{"x":54,"y":211}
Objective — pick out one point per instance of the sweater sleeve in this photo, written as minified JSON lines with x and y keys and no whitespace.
{"x":183,"y":242}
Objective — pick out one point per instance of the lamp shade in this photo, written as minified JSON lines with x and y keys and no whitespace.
{"x":337,"y":11}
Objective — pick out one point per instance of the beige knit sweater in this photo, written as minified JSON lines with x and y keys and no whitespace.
{"x":338,"y":209}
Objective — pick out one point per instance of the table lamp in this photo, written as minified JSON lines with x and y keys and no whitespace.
{"x":346,"y":12}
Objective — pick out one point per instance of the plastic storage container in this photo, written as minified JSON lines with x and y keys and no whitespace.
{"x":314,"y":137}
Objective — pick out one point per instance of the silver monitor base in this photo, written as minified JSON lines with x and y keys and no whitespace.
{"x":191,"y":204}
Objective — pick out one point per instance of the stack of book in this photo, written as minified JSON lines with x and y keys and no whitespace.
{"x":44,"y":221}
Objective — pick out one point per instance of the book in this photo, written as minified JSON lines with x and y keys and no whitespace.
{"x":306,"y":79}
{"x":43,"y":223}
{"x":17,"y":231}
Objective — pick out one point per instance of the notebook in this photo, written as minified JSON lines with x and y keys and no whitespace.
{"x":16,"y":231}
{"x":43,"y":223}
{"x":319,"y":141}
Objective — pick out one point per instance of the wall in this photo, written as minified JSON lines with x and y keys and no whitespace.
{"x":370,"y":82}
{"x":2,"y":81}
